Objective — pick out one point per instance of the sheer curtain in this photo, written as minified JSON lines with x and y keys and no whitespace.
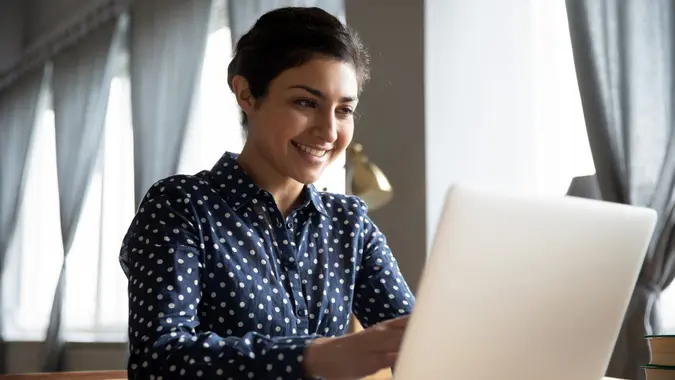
{"x":81,"y":87}
{"x":214,"y":120}
{"x":167,"y":43}
{"x":95,"y":302}
{"x":19,"y":107}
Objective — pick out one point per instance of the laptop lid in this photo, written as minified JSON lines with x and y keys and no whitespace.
{"x":525,"y":288}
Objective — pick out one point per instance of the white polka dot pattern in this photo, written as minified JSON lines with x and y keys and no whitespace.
{"x":222,"y":286}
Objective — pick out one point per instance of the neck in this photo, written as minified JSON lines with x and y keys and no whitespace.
{"x":285,"y":191}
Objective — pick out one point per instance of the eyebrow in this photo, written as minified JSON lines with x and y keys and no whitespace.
{"x":321,"y":95}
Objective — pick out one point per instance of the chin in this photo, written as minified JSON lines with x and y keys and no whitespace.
{"x":308,"y":177}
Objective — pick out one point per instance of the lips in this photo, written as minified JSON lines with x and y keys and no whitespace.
{"x":310,"y":150}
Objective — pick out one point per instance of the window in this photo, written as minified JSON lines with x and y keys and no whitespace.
{"x":667,"y":308}
{"x":560,"y":129}
{"x":214,"y":124}
{"x":562,"y":144}
{"x":99,"y":312}
{"x":37,"y":250}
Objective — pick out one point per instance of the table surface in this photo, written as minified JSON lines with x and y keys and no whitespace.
{"x":120,"y":375}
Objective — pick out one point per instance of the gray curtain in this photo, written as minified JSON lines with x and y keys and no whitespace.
{"x":168,"y":39}
{"x":244,"y":13}
{"x":19,"y":105}
{"x":80,"y":85}
{"x":623,"y":53}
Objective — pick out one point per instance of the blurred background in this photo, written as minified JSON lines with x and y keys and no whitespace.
{"x":101,"y":98}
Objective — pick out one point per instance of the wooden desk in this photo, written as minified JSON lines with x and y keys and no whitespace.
{"x":88,"y":375}
{"x":122,"y":375}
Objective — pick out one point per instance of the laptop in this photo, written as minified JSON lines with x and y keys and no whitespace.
{"x":524,"y":288}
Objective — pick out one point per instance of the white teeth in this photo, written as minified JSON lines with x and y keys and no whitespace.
{"x":312,"y":151}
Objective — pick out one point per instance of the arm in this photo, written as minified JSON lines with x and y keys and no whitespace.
{"x":164,"y":261}
{"x":381,"y":293}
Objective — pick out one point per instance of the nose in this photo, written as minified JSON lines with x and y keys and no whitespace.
{"x":328,"y":128}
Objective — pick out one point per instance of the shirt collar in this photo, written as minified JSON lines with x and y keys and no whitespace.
{"x":238,"y":187}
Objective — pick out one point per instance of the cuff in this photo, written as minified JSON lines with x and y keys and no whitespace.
{"x":286,"y":356}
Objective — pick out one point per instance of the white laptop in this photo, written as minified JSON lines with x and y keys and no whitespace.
{"x":524,"y":288}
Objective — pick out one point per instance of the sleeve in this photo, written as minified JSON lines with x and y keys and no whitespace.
{"x":381,"y":293}
{"x":162,"y":254}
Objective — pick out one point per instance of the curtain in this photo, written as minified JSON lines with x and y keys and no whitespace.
{"x":19,"y":109}
{"x":168,"y":39}
{"x":623,"y":52}
{"x":244,"y":13}
{"x":80,"y":85}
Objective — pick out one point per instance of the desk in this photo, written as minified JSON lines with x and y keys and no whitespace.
{"x":87,"y":375}
{"x":122,"y":375}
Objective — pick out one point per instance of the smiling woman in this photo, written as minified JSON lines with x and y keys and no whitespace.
{"x":301,"y":125}
{"x":247,"y":270}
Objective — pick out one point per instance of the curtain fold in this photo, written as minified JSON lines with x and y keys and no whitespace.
{"x":168,"y":39}
{"x":19,"y":110}
{"x":244,"y":13}
{"x":81,"y":85}
{"x":623,"y":53}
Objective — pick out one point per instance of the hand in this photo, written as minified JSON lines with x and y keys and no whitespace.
{"x":358,"y":354}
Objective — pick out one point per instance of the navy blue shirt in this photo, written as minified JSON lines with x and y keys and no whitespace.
{"x":222,"y":286}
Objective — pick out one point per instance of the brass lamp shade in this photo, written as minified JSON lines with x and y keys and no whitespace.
{"x":366,"y":180}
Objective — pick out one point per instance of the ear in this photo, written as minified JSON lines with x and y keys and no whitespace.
{"x":242,"y":91}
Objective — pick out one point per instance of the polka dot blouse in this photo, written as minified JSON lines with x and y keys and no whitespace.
{"x":222,"y":286}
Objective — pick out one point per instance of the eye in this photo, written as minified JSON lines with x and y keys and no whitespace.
{"x":307,"y":103}
{"x":346,"y":110}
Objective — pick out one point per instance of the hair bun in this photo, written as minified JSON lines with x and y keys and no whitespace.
{"x":312,"y":17}
{"x":289,"y":37}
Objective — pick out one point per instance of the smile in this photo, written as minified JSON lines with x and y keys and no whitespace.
{"x":309,"y":150}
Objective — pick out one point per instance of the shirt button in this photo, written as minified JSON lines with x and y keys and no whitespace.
{"x":289,"y":225}
{"x":302,"y":312}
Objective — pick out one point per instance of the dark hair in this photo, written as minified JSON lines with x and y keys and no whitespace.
{"x":290,"y":37}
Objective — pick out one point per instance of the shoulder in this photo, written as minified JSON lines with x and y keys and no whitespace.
{"x":180,"y":187}
{"x":347,"y":210}
{"x":343,"y":204}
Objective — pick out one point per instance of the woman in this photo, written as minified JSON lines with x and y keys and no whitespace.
{"x":246,"y":271}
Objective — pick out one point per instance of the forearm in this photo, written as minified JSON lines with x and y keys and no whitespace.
{"x":210,"y":356}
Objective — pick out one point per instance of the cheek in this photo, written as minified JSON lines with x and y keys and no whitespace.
{"x":283,"y":123}
{"x":344,"y":136}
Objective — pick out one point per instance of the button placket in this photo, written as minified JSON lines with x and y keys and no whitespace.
{"x":294,"y":276}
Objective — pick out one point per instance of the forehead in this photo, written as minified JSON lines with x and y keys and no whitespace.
{"x":332,"y":77}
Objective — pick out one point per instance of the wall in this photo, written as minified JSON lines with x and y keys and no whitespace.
{"x":391,"y":125}
{"x":478,"y":98}
{"x":450,"y":100}
{"x":26,"y":356}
